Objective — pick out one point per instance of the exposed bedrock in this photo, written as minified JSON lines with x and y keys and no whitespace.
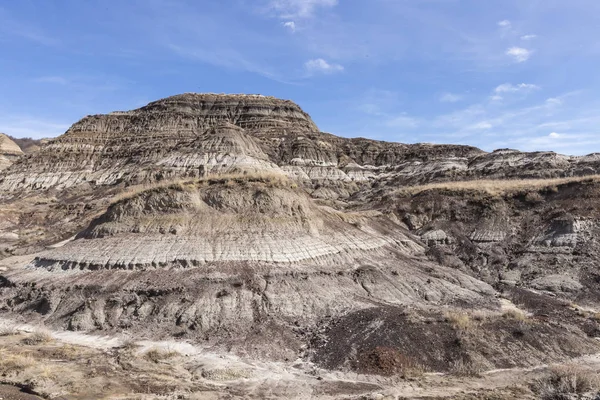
{"x":220,"y":257}
{"x":174,"y":137}
{"x":9,"y":152}
{"x":546,"y":239}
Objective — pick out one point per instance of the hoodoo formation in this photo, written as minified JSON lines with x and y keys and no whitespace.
{"x":232,"y":222}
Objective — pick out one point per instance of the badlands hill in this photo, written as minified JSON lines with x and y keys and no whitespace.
{"x":232,"y":221}
{"x":9,"y":151}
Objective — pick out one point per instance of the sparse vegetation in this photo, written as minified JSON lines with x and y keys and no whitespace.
{"x":157,"y":355}
{"x":14,"y":363}
{"x":390,"y":361}
{"x":270,"y":179}
{"x":465,"y":368}
{"x":459,"y":320}
{"x":515,"y":314}
{"x":565,"y":381}
{"x":497,"y":187}
{"x":39,"y":336}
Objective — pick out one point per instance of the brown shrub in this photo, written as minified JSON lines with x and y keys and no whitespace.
{"x":564,"y":381}
{"x":38,"y":337}
{"x":389,"y":361}
{"x":459,"y":320}
{"x":514,"y":314}
{"x":156,"y":355}
{"x":465,"y":368}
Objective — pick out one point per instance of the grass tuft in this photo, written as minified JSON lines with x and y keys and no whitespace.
{"x":565,"y":382}
{"x":39,"y":336}
{"x":157,"y":355}
{"x":459,"y":320}
{"x":498,"y":187}
{"x":514,"y":314}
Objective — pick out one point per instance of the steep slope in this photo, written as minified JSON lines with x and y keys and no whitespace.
{"x":9,"y":152}
{"x":543,"y":235}
{"x":154,"y":142}
{"x":232,"y":221}
{"x":160,"y":141}
{"x":247,"y":257}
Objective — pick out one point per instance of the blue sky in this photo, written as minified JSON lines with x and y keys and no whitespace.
{"x":491,"y":73}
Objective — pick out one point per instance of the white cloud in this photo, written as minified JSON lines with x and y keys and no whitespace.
{"x":322,"y":66}
{"x":528,"y":37}
{"x":554,"y":135}
{"x":519,"y":54}
{"x":450,"y":98}
{"x":496,"y":98}
{"x":504,"y":24}
{"x":402,"y":121}
{"x":555,"y":101}
{"x":480,"y":126}
{"x":291,"y":25}
{"x":510,"y":88}
{"x":289,"y":9}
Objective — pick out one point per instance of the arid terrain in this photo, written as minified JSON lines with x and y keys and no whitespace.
{"x":212,"y":246}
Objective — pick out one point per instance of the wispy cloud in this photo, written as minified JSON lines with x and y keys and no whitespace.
{"x":505,"y":24}
{"x":228,"y":58}
{"x":450,"y":98}
{"x":319,"y":65}
{"x":519,"y":54}
{"x":27,"y":126}
{"x":291,"y":25}
{"x":403,"y":121}
{"x":11,"y":26}
{"x":528,"y":37}
{"x":510,"y":88}
{"x":292,"y":9}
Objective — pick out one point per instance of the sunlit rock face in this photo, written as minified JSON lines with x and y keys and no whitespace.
{"x":9,"y":152}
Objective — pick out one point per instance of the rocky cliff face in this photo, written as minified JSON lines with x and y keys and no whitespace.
{"x":166,"y":139}
{"x":9,"y":152}
{"x":230,"y":219}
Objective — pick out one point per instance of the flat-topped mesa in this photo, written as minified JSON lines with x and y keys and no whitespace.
{"x":9,"y":151}
{"x":192,"y":113}
{"x":163,"y":140}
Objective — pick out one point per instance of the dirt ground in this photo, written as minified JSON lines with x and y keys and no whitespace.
{"x":71,"y":365}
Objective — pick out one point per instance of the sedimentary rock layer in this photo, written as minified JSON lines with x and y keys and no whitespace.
{"x":171,"y":138}
{"x":9,"y":152}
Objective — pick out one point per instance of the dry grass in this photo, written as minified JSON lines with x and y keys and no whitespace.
{"x":271,"y":179}
{"x":565,"y":381}
{"x":39,"y":336}
{"x":67,"y":352}
{"x":459,"y":320}
{"x":465,"y":368}
{"x":515,"y":314}
{"x":157,"y":355}
{"x":14,"y":363}
{"x":497,"y":187}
